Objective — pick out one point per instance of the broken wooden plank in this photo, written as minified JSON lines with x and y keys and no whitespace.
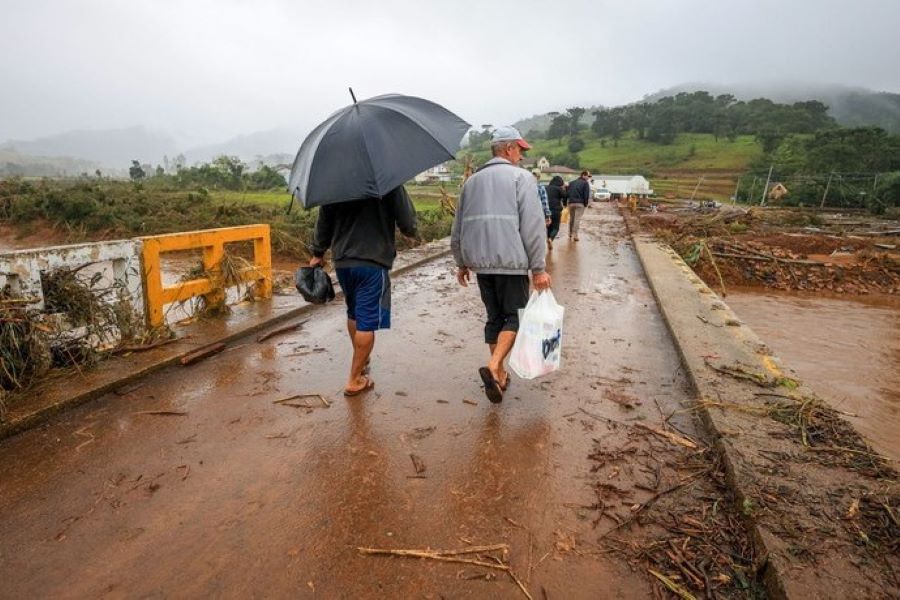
{"x":286,"y":329}
{"x":201,"y":353}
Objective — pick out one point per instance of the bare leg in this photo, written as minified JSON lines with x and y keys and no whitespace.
{"x":363,"y":342}
{"x":499,"y":352}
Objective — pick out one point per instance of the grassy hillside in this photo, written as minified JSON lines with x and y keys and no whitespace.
{"x":673,"y":170}
{"x":690,"y":152}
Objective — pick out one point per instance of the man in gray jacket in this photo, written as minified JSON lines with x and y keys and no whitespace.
{"x":499,"y":233}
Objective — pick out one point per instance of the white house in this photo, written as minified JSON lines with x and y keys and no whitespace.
{"x":542,"y":163}
{"x":623,"y":185}
{"x":437,"y":173}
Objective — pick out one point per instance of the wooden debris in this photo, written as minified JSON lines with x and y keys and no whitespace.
{"x":454,"y":557}
{"x":418,"y":464}
{"x":201,"y":353}
{"x":673,"y":587}
{"x":677,"y":439}
{"x":127,"y":389}
{"x":143,"y":347}
{"x":294,"y":401}
{"x":286,"y":329}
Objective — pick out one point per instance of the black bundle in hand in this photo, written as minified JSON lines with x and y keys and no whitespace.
{"x":314,"y":284}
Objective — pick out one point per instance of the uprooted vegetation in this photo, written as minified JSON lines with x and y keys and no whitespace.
{"x":789,"y":249}
{"x":84,"y":318}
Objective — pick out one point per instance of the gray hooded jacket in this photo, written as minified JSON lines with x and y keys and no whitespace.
{"x":499,"y":226}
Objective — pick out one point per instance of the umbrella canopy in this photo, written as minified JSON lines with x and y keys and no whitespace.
{"x":370,"y":147}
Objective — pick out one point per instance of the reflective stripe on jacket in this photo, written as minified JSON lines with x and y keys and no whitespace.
{"x":499,"y":226}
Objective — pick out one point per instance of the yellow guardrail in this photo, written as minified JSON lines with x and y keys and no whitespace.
{"x":212,"y":242}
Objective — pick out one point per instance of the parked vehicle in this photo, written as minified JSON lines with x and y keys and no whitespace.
{"x":602,"y":194}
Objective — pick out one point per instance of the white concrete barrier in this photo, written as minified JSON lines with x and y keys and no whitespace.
{"x":113,"y":264}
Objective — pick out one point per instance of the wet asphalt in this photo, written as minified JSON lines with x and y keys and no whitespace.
{"x":238,"y":495}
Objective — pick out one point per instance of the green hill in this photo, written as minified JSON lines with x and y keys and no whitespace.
{"x":690,"y":152}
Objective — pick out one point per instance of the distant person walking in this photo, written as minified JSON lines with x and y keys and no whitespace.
{"x":542,"y":193}
{"x":499,"y":233}
{"x":579,"y":198}
{"x":360,"y":234}
{"x":556,"y":198}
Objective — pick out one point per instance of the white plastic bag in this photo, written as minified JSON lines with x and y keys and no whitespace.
{"x":538,"y":345}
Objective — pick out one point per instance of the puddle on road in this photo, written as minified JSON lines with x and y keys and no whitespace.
{"x":846,"y":349}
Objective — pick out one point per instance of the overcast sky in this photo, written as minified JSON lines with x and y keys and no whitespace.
{"x":206,"y":70}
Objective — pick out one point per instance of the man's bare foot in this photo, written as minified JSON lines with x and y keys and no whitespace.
{"x":363,"y":385}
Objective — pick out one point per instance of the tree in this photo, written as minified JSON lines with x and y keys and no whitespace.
{"x":559,"y":127}
{"x":576,"y":145}
{"x":575,"y":114}
{"x":567,"y":159}
{"x":136,"y":172}
{"x":887,"y":194}
{"x":769,"y":139}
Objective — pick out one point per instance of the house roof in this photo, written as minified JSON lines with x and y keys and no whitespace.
{"x":616,"y":177}
{"x":560,"y":169}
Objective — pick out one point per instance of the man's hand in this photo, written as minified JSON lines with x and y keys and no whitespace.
{"x":547,"y":221}
{"x":541,"y":281}
{"x":462,"y":276}
{"x":315,"y":261}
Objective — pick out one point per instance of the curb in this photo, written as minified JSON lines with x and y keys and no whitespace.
{"x":33,"y":418}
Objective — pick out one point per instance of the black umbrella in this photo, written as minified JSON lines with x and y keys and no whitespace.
{"x":370,"y":147}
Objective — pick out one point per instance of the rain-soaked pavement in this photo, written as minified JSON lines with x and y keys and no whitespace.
{"x":242,"y":496}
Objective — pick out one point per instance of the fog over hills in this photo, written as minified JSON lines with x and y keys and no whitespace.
{"x":850,"y":106}
{"x":114,"y":149}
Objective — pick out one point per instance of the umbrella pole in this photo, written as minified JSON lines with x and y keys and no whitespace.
{"x":291,"y":204}
{"x":352,"y":95}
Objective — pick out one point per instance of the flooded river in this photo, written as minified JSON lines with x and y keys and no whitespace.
{"x":847,"y":350}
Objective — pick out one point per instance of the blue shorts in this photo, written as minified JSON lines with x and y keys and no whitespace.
{"x":367,"y":291}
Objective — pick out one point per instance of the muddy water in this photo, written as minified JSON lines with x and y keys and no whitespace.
{"x":847,"y":350}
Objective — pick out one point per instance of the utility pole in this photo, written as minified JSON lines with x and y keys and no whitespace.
{"x":827,"y":185}
{"x":736,"y":188}
{"x":762,"y":201}
{"x":752,"y":189}
{"x":696,"y":187}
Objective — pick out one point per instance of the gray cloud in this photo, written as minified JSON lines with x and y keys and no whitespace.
{"x":204,"y":70}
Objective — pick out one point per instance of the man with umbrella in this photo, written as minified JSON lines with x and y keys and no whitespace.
{"x":353,"y":165}
{"x":360,"y":234}
{"x":499,"y":232}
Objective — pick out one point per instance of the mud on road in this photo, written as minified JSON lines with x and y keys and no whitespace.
{"x":199,"y":482}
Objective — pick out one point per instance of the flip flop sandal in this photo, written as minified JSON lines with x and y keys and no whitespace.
{"x":369,"y":385}
{"x":492,"y":388}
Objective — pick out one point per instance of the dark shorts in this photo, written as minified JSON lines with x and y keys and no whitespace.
{"x":367,"y":291}
{"x":503,"y":296}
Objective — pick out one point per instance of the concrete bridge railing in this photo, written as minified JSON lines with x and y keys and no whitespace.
{"x":132,"y":269}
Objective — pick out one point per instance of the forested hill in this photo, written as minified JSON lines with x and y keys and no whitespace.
{"x":849,"y":106}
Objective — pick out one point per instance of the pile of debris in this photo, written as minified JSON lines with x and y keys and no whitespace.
{"x":83,"y":319}
{"x":782,"y":248}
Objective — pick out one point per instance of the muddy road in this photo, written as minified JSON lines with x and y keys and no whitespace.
{"x":231,"y":494}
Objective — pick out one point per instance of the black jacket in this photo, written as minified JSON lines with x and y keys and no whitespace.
{"x":361,"y":232}
{"x":556,"y":194}
{"x":579,"y":191}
